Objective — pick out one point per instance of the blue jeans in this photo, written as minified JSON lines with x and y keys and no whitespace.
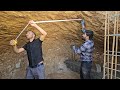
{"x":35,"y":73}
{"x":85,"y":69}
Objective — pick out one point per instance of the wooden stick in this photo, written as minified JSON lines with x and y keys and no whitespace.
{"x":113,"y":63}
{"x":22,"y":31}
{"x":113,"y":76}
{"x":112,"y":69}
{"x":114,"y":51}
{"x":58,"y":20}
{"x":111,"y":55}
{"x":113,"y":35}
{"x":105,"y":44}
{"x":116,"y":47}
{"x":113,"y":45}
{"x":108,"y":48}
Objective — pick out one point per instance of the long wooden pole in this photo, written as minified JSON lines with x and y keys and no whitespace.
{"x":113,"y":46}
{"x":58,"y":20}
{"x":105,"y":45}
{"x":116,"y":48}
{"x":22,"y":31}
{"x":108,"y":49}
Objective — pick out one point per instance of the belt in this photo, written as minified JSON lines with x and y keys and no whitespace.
{"x":36,"y":65}
{"x":87,"y":61}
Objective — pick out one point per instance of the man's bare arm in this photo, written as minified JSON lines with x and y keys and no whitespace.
{"x":16,"y":49}
{"x":44,"y":33}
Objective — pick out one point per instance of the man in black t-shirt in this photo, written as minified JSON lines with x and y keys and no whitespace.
{"x":35,"y":70}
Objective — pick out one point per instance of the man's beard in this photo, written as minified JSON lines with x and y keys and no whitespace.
{"x":83,"y":38}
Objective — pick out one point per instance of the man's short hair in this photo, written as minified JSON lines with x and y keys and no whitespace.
{"x":32,"y":32}
{"x":88,"y":33}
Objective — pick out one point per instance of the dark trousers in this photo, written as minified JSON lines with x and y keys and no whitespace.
{"x":85,"y":69}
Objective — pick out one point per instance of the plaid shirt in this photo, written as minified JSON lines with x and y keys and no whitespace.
{"x":86,"y":50}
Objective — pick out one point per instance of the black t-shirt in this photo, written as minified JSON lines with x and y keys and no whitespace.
{"x":34,"y":51}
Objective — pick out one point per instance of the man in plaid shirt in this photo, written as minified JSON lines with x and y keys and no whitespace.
{"x":85,"y":51}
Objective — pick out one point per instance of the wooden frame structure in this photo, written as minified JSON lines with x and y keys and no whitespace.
{"x":111,"y":64}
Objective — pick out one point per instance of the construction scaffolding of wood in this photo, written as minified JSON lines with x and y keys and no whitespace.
{"x":111,"y":67}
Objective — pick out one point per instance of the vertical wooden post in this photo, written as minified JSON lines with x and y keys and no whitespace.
{"x":116,"y":47}
{"x":113,"y":46}
{"x":108,"y":48}
{"x":105,"y":45}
